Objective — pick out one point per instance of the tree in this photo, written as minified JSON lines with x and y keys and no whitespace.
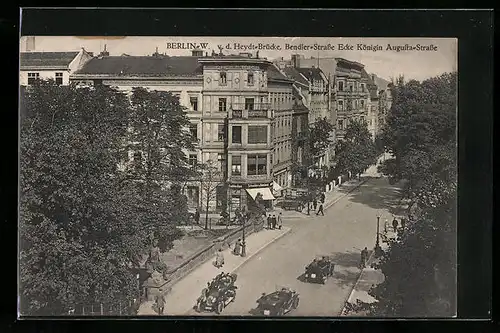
{"x":320,"y":137}
{"x":356,"y":151}
{"x":420,"y":268}
{"x":83,"y":222}
{"x":211,"y":179}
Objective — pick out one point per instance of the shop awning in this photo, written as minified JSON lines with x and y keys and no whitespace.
{"x":276,"y":187}
{"x":265,"y":191}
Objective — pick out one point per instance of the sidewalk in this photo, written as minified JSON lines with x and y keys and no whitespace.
{"x":330,"y":199}
{"x":184,"y":293}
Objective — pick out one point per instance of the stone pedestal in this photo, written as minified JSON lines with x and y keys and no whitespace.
{"x":153,"y":285}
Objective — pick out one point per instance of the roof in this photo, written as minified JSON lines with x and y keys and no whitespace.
{"x":47,"y":59}
{"x":341,"y":62}
{"x":274,"y":74}
{"x":312,"y":72}
{"x":295,"y":75}
{"x":142,"y":66}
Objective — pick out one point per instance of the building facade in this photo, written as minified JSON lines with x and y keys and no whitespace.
{"x":229,"y":100}
{"x":384,"y":105}
{"x":372,"y":116}
{"x":50,"y":65}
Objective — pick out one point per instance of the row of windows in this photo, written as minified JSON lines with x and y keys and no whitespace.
{"x":223,"y":79}
{"x":353,"y":86}
{"x":256,"y":164}
{"x":282,"y":152}
{"x":256,"y":134}
{"x":282,"y":126}
{"x":32,"y":77}
{"x":279,"y":99}
{"x":341,"y":123}
{"x":355,"y":103}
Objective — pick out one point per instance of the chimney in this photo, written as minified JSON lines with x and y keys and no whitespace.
{"x":30,"y":43}
{"x":373,"y":77}
{"x":197,"y":53}
{"x":104,"y":53}
{"x":295,"y":60}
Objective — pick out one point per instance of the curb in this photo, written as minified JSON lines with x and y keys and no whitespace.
{"x":247,"y":258}
{"x":368,"y":263}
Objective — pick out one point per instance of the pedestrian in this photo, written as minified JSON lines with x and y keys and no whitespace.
{"x":320,"y":209}
{"x":315,"y":203}
{"x":280,"y":221}
{"x":403,"y":223}
{"x":237,"y":247}
{"x":269,"y":221}
{"x":395,"y":224}
{"x":364,"y":257}
{"x":274,"y":221}
{"x":197,"y":216}
{"x":219,"y":259}
{"x":160,"y":302}
{"x":322,"y":199}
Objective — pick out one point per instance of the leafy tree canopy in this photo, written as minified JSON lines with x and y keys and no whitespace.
{"x":320,"y":136}
{"x":83,"y":221}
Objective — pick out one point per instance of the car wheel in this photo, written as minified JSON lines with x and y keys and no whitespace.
{"x":219,"y":307}
{"x":323,"y":280}
{"x":295,"y":303}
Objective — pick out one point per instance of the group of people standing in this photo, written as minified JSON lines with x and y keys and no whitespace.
{"x":274,"y":222}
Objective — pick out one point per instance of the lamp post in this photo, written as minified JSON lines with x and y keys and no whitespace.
{"x":243,"y":244}
{"x":378,"y":249}
{"x":138,"y":276}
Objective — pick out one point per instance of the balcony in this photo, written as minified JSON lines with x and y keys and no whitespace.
{"x":245,"y":111}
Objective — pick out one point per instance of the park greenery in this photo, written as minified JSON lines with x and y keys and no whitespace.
{"x":420,"y":267}
{"x":100,"y":178}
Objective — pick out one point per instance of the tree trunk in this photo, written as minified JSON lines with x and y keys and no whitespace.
{"x":206,"y":212}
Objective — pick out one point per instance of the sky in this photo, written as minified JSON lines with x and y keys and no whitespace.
{"x":438,"y":58}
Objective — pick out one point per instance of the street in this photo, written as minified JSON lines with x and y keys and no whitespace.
{"x":347,"y":227}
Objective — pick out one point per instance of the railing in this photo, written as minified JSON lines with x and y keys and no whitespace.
{"x":251,"y":107}
{"x":244,"y":114}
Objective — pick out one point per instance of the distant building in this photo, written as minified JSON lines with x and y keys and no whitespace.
{"x":50,"y":65}
{"x":384,"y":105}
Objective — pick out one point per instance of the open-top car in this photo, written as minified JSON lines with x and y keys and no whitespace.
{"x":319,"y":270}
{"x":278,"y":303}
{"x":219,"y":293}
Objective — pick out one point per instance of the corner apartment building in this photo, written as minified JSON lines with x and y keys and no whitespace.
{"x":36,"y":65}
{"x":228,"y":101}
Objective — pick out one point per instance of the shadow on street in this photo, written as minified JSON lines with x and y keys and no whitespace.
{"x":377,"y":193}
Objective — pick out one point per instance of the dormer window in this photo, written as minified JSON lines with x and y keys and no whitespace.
{"x":250,"y":79}
{"x":223,"y":78}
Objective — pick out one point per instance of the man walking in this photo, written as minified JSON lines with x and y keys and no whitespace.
{"x":160,"y":302}
{"x":273,"y":222}
{"x":395,"y":224}
{"x":269,"y":222}
{"x":280,"y":221}
{"x":320,"y":209}
{"x":197,"y":216}
{"x":364,"y":257}
{"x":315,"y":203}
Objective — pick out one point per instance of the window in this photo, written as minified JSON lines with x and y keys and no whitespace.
{"x":249,"y":104}
{"x":59,"y":78}
{"x":236,"y":137}
{"x":257,"y":165}
{"x":362,"y":104}
{"x":341,"y":105}
{"x":363,"y":87}
{"x":221,"y":132}
{"x":223,"y":78}
{"x":250,"y":79}
{"x":341,"y":86}
{"x":32,"y":77}
{"x":351,"y":88}
{"x":236,"y":166}
{"x":193,"y":129}
{"x":193,"y":160}
{"x":222,"y":104}
{"x":222,"y":162}
{"x":194,"y":103}
{"x":341,"y":124}
{"x":220,"y":196}
{"x":257,"y":134}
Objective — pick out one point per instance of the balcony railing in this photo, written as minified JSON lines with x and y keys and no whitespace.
{"x":239,"y":114}
{"x":251,"y":107}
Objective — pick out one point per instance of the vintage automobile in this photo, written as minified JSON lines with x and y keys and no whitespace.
{"x":219,"y":293}
{"x":289,"y":204}
{"x":278,"y":303}
{"x":319,"y":270}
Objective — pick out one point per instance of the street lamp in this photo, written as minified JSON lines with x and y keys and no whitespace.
{"x":378,"y":249}
{"x":243,"y":244}
{"x":138,"y":285}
